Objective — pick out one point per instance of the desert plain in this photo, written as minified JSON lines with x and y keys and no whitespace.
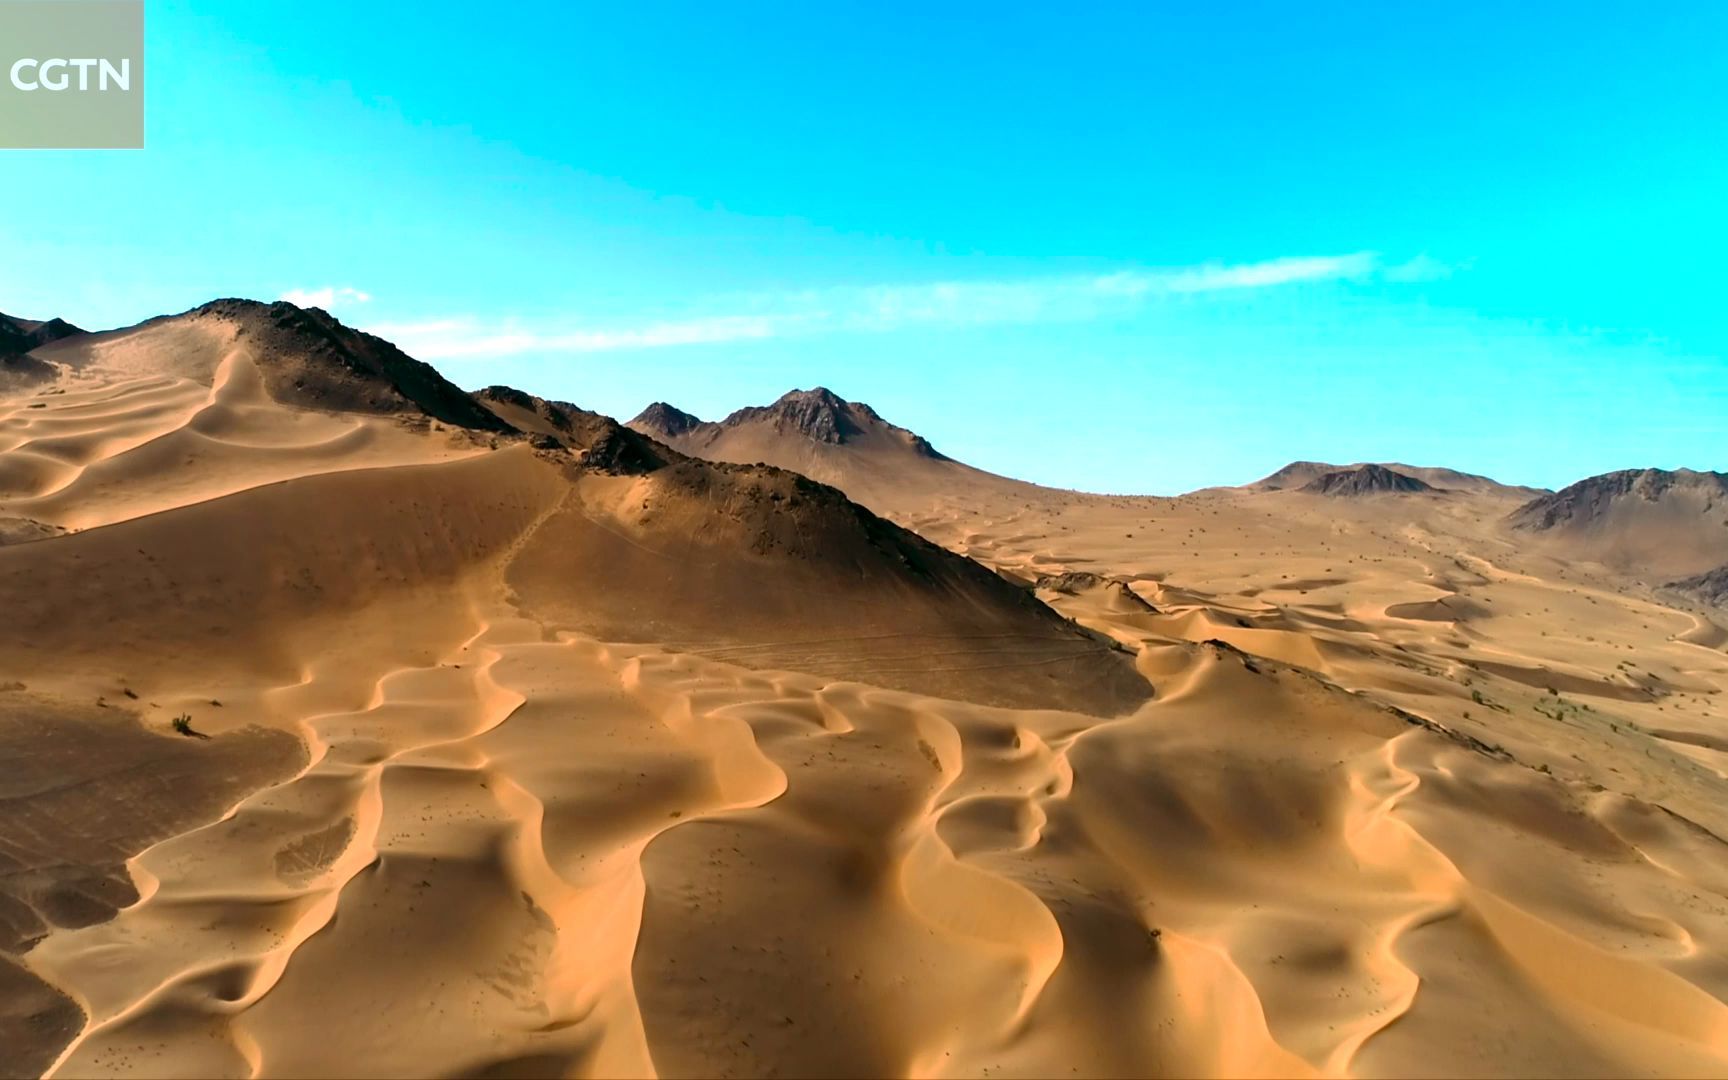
{"x":352,"y":724}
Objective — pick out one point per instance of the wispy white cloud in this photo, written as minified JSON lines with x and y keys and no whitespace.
{"x":1422,"y":268}
{"x":878,"y":308}
{"x":473,"y":338}
{"x":1273,"y":272}
{"x":326,"y":297}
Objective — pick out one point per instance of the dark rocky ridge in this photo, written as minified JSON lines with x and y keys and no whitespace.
{"x":819,"y":415}
{"x":1711,"y":587}
{"x":1366,"y":480}
{"x":1655,"y":525}
{"x":18,"y":337}
{"x":1295,"y":475}
{"x":1299,"y":474}
{"x":668,"y":420}
{"x":1590,"y":499}
{"x":1081,"y":582}
{"x":1072,"y":582}
{"x":604,"y":443}
{"x":310,"y":358}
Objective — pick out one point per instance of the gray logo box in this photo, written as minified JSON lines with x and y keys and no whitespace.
{"x":71,"y":74}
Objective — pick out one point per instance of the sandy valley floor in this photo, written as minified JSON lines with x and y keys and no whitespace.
{"x":519,"y":768}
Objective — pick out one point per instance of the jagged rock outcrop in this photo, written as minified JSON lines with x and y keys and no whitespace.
{"x":1366,"y":480}
{"x":603,"y":443}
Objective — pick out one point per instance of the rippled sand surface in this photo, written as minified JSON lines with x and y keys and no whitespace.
{"x":1397,"y":798}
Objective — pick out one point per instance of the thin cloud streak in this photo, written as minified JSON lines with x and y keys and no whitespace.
{"x":467,"y":339}
{"x":326,"y":297}
{"x":876,"y":309}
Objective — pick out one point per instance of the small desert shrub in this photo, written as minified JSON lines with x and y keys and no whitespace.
{"x":183,"y":724}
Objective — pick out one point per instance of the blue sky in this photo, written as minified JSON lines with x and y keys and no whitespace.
{"x":1135,"y":247}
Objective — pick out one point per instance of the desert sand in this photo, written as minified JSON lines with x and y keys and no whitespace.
{"x":524,"y":744}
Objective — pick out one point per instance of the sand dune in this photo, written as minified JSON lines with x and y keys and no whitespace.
{"x":536,"y":747}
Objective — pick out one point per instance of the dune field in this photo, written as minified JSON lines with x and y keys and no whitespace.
{"x":351,"y":724}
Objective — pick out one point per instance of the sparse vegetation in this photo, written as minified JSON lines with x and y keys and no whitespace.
{"x":183,"y":725}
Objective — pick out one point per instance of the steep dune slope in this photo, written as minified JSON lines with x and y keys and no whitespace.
{"x":186,"y":408}
{"x":305,"y":356}
{"x":767,"y":568}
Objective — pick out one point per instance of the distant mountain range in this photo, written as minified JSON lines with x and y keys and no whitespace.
{"x":826,"y":437}
{"x":1667,"y":527}
{"x":819,"y":416}
{"x":1299,"y":475}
